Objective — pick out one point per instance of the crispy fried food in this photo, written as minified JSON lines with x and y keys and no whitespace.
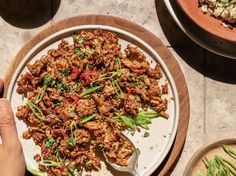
{"x":79,"y":98}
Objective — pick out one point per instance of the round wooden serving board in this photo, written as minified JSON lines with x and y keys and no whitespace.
{"x":171,"y":159}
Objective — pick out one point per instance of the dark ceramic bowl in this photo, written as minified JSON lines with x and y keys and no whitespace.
{"x":205,"y":21}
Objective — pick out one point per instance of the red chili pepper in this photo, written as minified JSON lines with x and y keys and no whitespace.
{"x":73,"y":97}
{"x":137,"y":70}
{"x":65,"y":102}
{"x":93,"y":75}
{"x":84,"y":79}
{"x":131,"y":90}
{"x":74,"y":73}
{"x":88,"y":77}
{"x":87,"y":43}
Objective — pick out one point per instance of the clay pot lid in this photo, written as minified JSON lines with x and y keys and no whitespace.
{"x":205,"y":21}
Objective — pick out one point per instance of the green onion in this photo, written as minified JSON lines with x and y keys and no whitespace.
{"x":146,"y":134}
{"x":148,"y":114}
{"x":49,"y":142}
{"x":36,"y":172}
{"x":80,"y":84}
{"x":229,"y":151}
{"x":36,"y":111}
{"x":79,"y":38}
{"x":79,"y":52}
{"x":116,"y":86}
{"x":90,"y":51}
{"x":101,"y":147}
{"x":41,"y":94}
{"x":60,"y":85}
{"x":87,"y":67}
{"x":23,"y":96}
{"x":93,"y":142}
{"x":138,"y":99}
{"x":129,"y":122}
{"x":88,"y":118}
{"x":72,"y":141}
{"x":118,"y":63}
{"x":71,"y":168}
{"x":138,"y":151}
{"x":49,"y":163}
{"x":89,"y":90}
{"x":47,"y":79}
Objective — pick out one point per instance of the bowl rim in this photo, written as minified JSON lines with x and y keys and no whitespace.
{"x":228,"y":37}
{"x":206,"y":148}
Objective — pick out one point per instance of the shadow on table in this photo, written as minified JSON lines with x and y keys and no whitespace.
{"x":210,"y":65}
{"x":28,"y":14}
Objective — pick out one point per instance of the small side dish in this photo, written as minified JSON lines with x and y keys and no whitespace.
{"x":222,"y":9}
{"x":81,"y":96}
{"x":219,"y":165}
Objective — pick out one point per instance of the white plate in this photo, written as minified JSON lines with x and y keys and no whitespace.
{"x":162,"y":132}
{"x":201,"y":37}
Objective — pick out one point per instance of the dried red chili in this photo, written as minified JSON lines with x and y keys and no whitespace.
{"x":87,"y":43}
{"x":131,"y":90}
{"x":74,"y":73}
{"x":93,"y":75}
{"x":73,"y":97}
{"x":88,"y":77}
{"x":84,"y":79}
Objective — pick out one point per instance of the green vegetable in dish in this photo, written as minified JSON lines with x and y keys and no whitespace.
{"x":49,"y":142}
{"x":88,"y":118}
{"x":220,"y":166}
{"x":46,"y":81}
{"x":79,"y":38}
{"x":229,"y":151}
{"x":36,"y":111}
{"x":49,"y":163}
{"x":36,"y":172}
{"x":89,"y":90}
{"x":143,"y":119}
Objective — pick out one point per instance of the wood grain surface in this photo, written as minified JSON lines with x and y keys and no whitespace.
{"x":168,"y":164}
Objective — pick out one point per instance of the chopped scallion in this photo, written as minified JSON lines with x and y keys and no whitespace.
{"x":36,"y":111}
{"x":88,"y":118}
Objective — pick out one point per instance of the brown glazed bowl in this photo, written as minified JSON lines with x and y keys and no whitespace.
{"x":205,"y":21}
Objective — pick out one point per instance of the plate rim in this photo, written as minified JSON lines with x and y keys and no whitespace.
{"x":158,"y":58}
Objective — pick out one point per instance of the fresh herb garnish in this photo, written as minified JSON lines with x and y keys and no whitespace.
{"x":36,"y":111}
{"x":146,"y":134}
{"x":72,"y":141}
{"x":49,"y":142}
{"x":89,"y":90}
{"x":49,"y":163}
{"x":79,"y":38}
{"x":143,"y":119}
{"x":138,"y":151}
{"x":47,"y":79}
{"x":86,"y":119}
{"x":36,"y":172}
{"x":79,"y":52}
{"x":23,"y":96}
{"x":101,"y":147}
